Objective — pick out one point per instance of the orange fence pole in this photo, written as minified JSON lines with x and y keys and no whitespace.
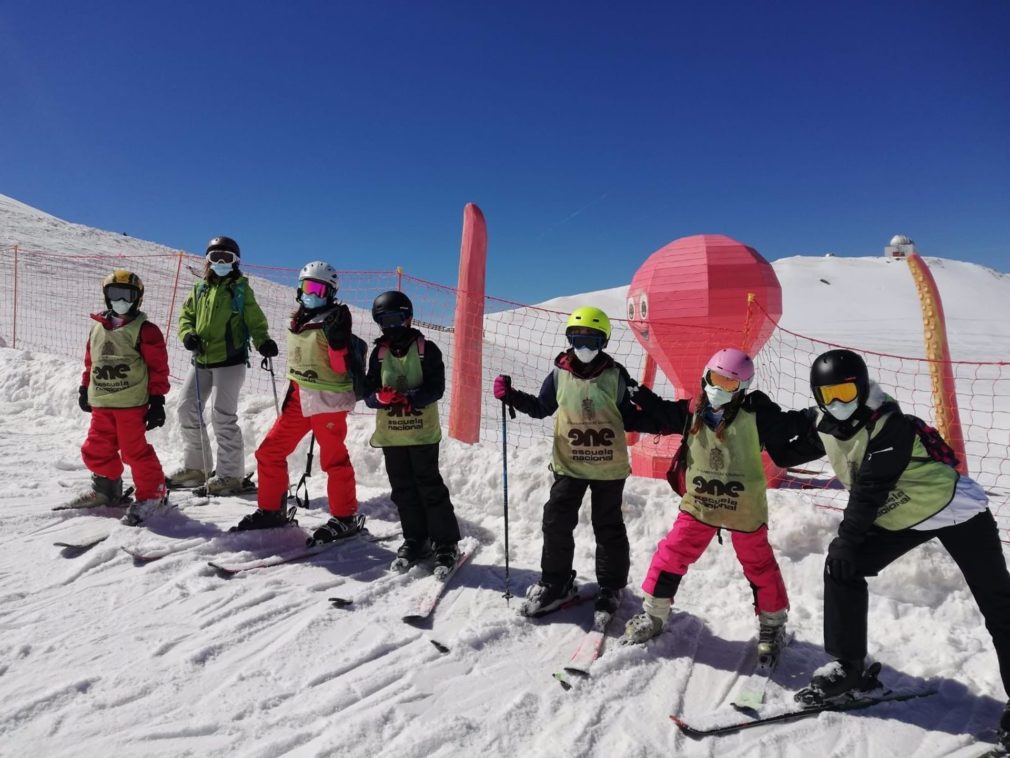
{"x":175,"y":292}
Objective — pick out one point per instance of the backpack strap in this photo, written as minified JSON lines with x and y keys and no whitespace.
{"x":936,"y":446}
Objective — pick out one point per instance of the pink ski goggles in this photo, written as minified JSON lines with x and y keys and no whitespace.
{"x":319,"y":289}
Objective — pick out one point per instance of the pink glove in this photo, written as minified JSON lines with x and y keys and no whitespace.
{"x":502,"y":386}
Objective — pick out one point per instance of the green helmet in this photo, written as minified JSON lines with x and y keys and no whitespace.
{"x":594,"y":318}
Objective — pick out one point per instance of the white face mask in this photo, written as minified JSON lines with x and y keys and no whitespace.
{"x":121,"y":307}
{"x":842,"y":411}
{"x":585,"y":354}
{"x":221,"y":269}
{"x":311,"y":302}
{"x":717,"y":396}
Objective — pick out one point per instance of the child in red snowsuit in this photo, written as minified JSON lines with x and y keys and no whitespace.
{"x":319,"y":397}
{"x":123,"y":387}
{"x":725,"y":489}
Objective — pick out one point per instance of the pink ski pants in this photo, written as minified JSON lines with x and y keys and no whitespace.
{"x":688,"y":539}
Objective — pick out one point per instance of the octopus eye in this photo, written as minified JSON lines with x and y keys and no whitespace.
{"x":631,"y":309}
{"x":643,"y":306}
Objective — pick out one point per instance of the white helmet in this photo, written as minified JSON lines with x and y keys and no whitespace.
{"x":319,"y":271}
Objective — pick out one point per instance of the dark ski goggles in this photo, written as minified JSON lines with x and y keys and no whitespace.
{"x":592,"y":341}
{"x":390,"y":319}
{"x":221,"y":256}
{"x":317,"y":288}
{"x":121,"y":292}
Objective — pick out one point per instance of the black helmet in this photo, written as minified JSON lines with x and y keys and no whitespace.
{"x":839,"y":367}
{"x":224,"y":243}
{"x":392,"y":308}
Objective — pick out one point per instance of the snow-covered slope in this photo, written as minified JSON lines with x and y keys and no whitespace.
{"x":100,"y":656}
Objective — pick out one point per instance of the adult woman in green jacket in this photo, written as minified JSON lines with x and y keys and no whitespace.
{"x":218,"y":319}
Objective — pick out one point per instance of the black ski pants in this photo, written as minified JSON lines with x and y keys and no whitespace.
{"x":975,"y":547}
{"x":420,"y":495}
{"x":561,"y":516}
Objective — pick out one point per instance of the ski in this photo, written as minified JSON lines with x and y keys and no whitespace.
{"x":156,"y":552}
{"x":82,"y":539}
{"x":589,"y":649}
{"x":124,"y":500}
{"x":729,"y":721}
{"x":294,"y":554}
{"x":752,"y":693}
{"x":430,"y":590}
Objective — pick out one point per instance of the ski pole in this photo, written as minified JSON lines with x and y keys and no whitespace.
{"x":267,"y":364}
{"x":308,"y":472}
{"x":505,"y":490}
{"x":203,"y":427}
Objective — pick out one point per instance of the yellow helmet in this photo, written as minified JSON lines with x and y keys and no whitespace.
{"x":594,"y":318}
{"x":126,"y":282}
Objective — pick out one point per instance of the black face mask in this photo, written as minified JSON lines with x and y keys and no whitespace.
{"x":396,"y":334}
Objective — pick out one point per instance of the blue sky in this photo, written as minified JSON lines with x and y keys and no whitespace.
{"x":590,"y":133}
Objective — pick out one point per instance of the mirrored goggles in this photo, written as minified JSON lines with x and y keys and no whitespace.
{"x":221,"y":256}
{"x":121,"y":292}
{"x":845,"y":392}
{"x":313,"y":287}
{"x":727,"y":383}
{"x":592,"y":341}
{"x":390,"y":319}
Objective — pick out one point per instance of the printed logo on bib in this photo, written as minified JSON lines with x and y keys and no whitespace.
{"x":895,"y":498}
{"x":592,"y":445}
{"x":588,"y":410}
{"x":119,"y":371}
{"x":399,"y":419}
{"x":309,"y":376}
{"x":716,"y":459}
{"x":714,"y":493}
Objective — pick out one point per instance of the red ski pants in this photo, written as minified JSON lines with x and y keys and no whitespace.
{"x":115,"y":430}
{"x":688,"y":539}
{"x":282,"y":439}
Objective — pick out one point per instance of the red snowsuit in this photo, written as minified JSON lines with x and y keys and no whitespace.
{"x":288,"y":430}
{"x":115,"y":431}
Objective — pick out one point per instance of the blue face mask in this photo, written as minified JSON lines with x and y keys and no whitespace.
{"x":311,"y":302}
{"x":221,"y":269}
{"x":842,"y":411}
{"x":121,"y":307}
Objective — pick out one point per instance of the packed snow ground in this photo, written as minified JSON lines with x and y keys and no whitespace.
{"x":100,"y":656}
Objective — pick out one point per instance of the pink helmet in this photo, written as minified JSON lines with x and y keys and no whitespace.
{"x":733,"y":363}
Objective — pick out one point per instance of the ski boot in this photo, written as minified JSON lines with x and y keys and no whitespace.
{"x":141,"y":510}
{"x":337,"y":528}
{"x":103,"y":492}
{"x":261,"y":519}
{"x":409,"y":553}
{"x":1003,"y":732}
{"x":838,"y":681}
{"x":187,"y":478}
{"x":224,"y":485}
{"x":543,"y":598}
{"x":446,"y":556}
{"x":771,"y":634}
{"x":641,"y":628}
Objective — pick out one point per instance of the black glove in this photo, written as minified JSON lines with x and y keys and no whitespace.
{"x":155,"y":415}
{"x":841,"y":560}
{"x":192,"y":343}
{"x":268,"y":349}
{"x":337,"y":327}
{"x":82,"y":399}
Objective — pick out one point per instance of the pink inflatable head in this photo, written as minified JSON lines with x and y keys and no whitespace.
{"x":692,"y":296}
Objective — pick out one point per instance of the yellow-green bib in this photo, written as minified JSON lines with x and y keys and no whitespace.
{"x":394,"y":427}
{"x":589,"y":440}
{"x":726,"y":485}
{"x":309,"y":363}
{"x":118,"y":370}
{"x":924,"y":488}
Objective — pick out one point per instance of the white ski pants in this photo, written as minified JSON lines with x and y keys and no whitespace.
{"x":226,"y":384}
